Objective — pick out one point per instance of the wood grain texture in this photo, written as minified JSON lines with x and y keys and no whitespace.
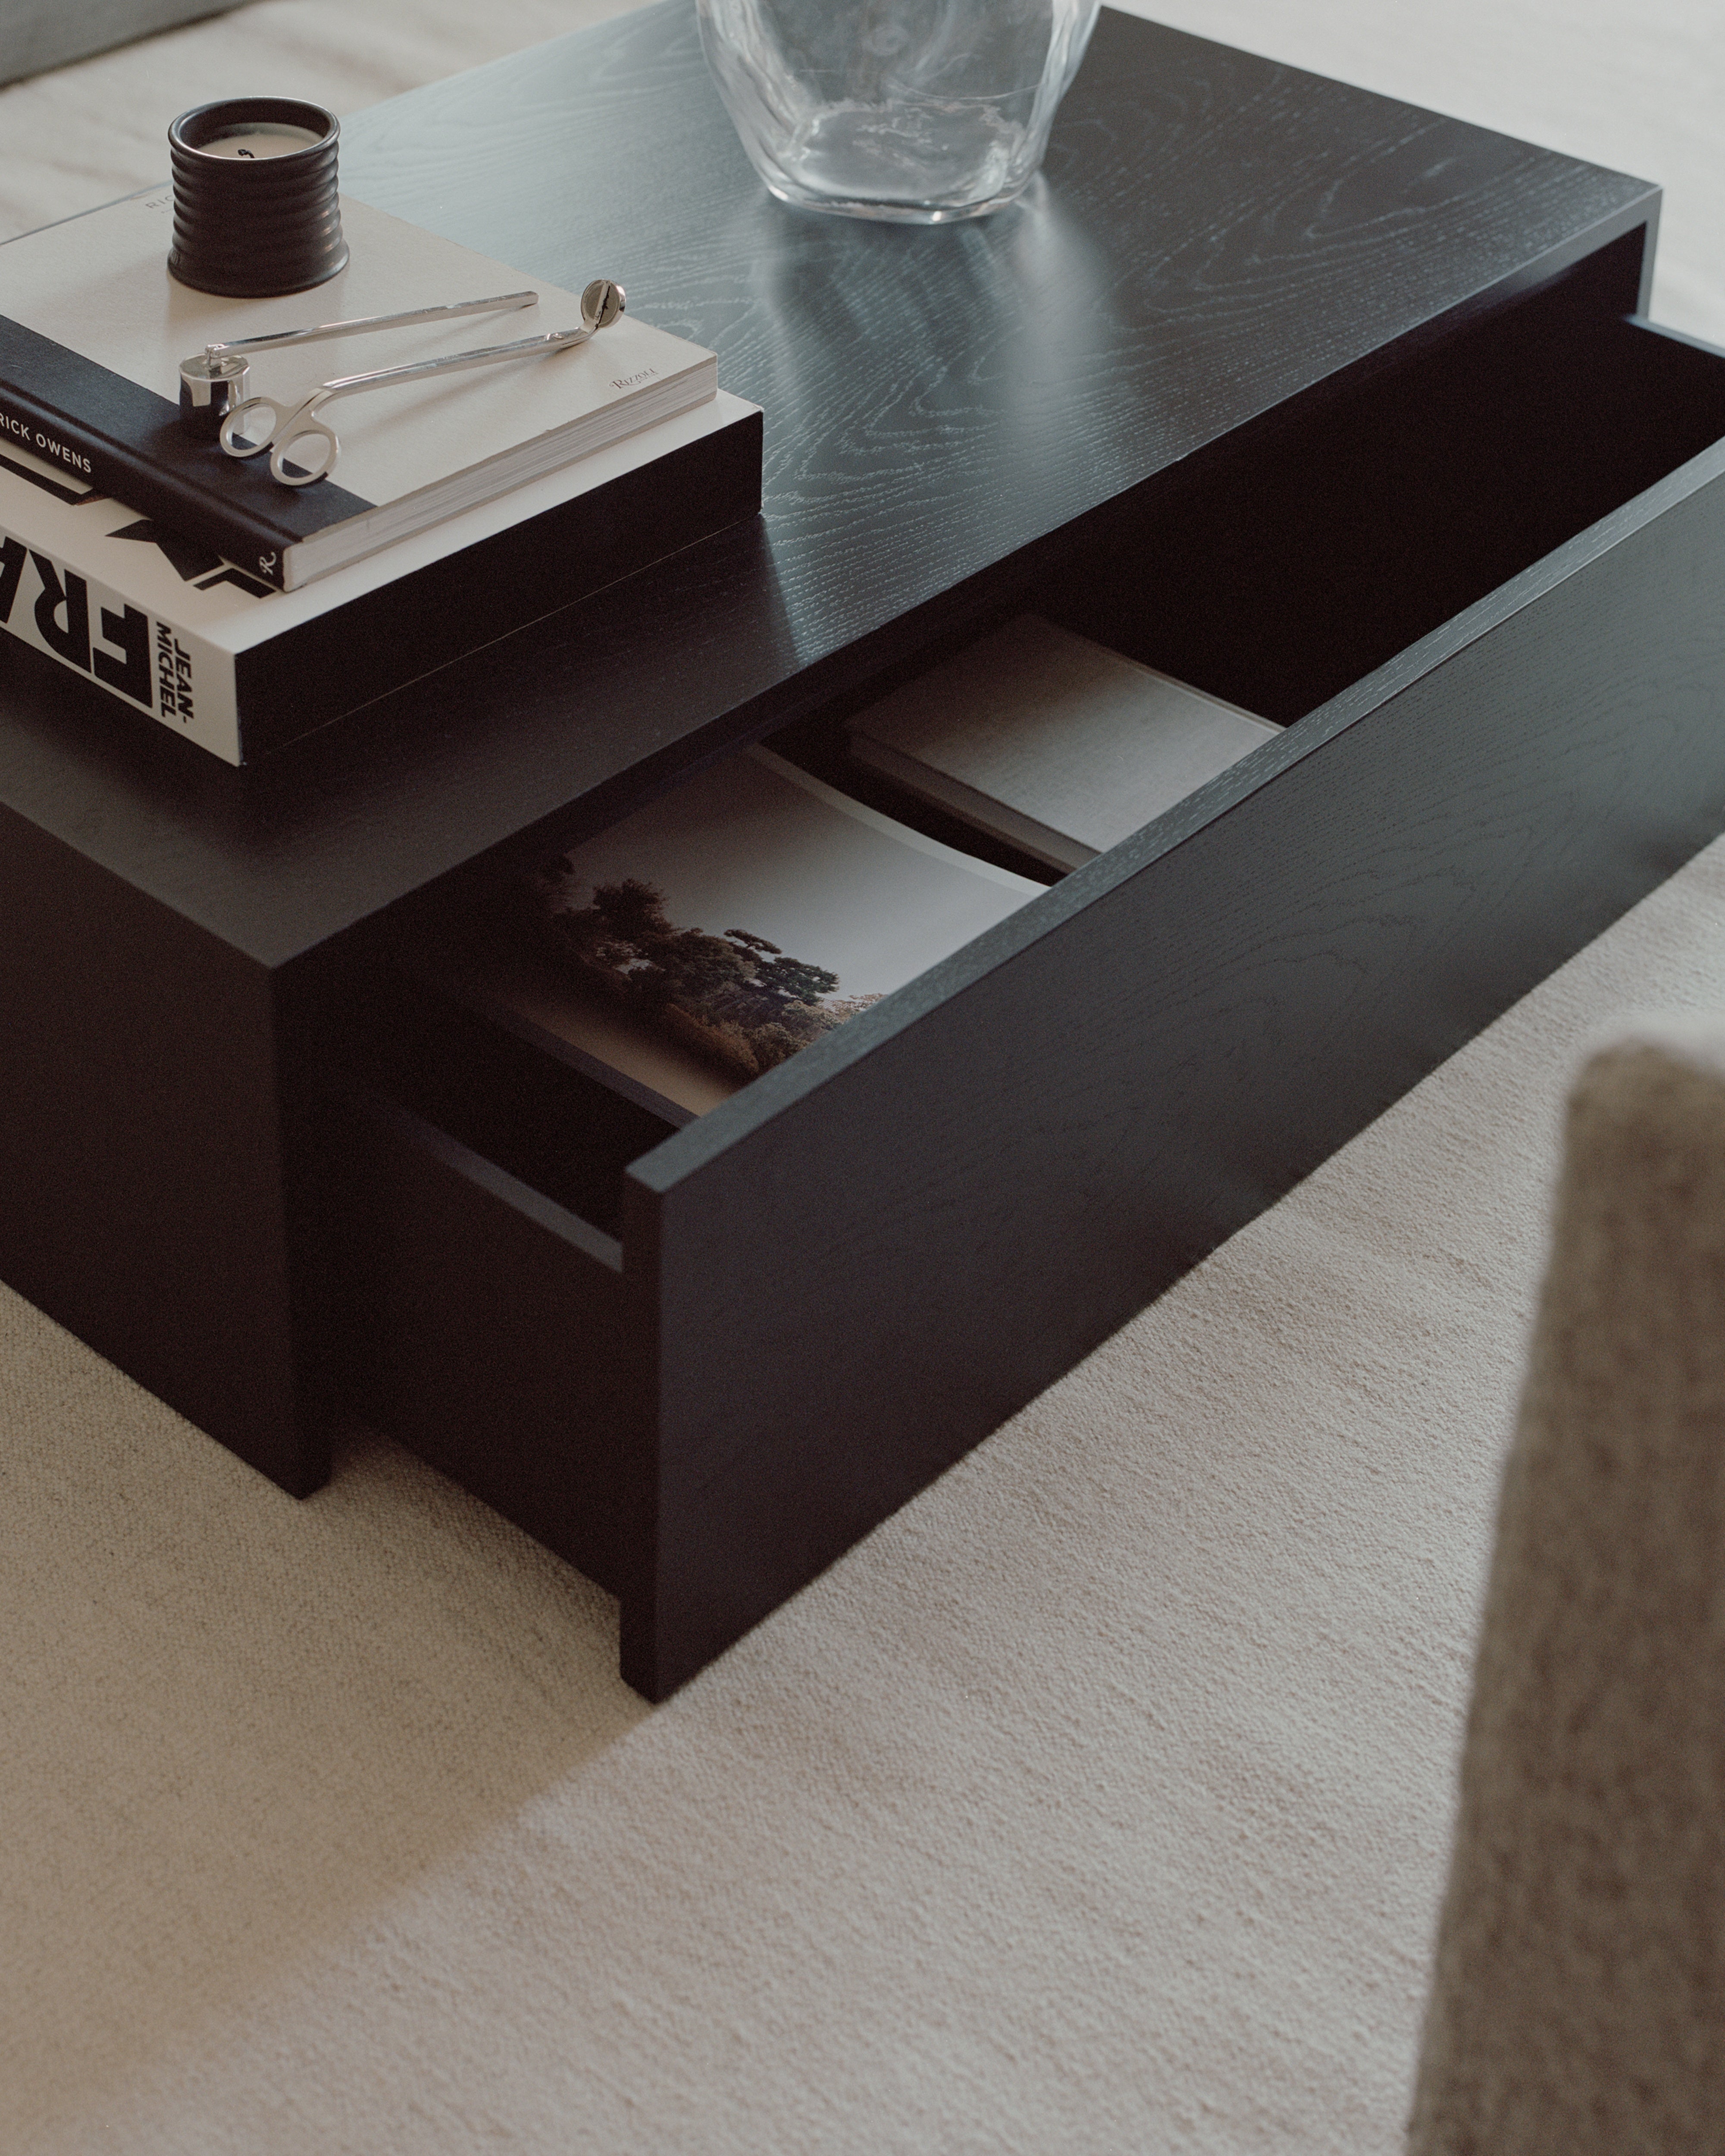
{"x":1215,"y":235}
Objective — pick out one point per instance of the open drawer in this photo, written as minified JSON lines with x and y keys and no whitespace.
{"x":1484,"y":593}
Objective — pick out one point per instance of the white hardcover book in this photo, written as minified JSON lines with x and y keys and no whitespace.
{"x":90,"y":317}
{"x":225,"y":661}
{"x":721,"y":929}
{"x":1055,"y":744}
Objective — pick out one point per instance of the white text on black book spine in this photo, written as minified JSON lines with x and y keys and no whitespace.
{"x":51,"y":606}
{"x":44,"y":444}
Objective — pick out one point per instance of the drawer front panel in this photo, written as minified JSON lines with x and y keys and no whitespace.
{"x":485,"y":1331}
{"x":858,"y":1271}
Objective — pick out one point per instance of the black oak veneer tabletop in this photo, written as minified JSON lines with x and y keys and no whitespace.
{"x":1213,"y":235}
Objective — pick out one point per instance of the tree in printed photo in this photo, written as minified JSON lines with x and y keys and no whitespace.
{"x":735,"y":996}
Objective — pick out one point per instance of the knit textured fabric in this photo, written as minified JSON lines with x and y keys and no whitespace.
{"x":1577,"y":2007}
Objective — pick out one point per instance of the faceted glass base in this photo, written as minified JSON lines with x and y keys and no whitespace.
{"x":896,"y":213}
{"x":914,"y":111}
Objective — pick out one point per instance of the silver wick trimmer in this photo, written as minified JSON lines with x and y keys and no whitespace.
{"x":212,"y":382}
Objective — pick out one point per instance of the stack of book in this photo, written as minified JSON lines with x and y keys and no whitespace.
{"x":191,"y":585}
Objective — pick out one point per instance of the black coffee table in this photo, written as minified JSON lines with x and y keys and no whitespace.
{"x":1328,"y":403}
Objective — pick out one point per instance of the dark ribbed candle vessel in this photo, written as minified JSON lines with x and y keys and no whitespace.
{"x":250,"y":224}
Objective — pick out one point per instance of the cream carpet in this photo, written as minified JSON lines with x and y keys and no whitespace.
{"x":1099,"y":1802}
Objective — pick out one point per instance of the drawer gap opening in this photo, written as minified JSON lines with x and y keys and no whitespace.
{"x":1360,"y":527}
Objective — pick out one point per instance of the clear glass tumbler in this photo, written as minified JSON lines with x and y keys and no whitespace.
{"x":921,"y":110}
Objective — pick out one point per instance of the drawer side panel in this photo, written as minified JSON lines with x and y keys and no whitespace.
{"x":481,"y":1332}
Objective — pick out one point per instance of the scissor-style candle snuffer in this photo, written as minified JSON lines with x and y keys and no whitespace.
{"x":212,"y":382}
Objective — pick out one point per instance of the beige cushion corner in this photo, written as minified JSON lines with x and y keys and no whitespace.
{"x":36,"y":35}
{"x":1577,"y":2002}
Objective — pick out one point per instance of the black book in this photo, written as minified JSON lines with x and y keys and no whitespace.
{"x":171,"y":631}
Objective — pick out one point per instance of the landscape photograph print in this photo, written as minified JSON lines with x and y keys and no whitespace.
{"x":735,"y":998}
{"x":734,"y":919}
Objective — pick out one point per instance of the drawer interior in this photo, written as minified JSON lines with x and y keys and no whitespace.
{"x":1294,"y":564}
{"x":1307,"y":559}
{"x":1304,"y":554}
